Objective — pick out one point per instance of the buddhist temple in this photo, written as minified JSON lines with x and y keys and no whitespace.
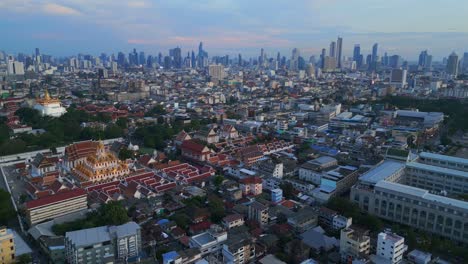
{"x":48,"y":106}
{"x":100,"y":166}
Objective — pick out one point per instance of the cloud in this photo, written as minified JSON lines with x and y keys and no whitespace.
{"x":61,"y":10}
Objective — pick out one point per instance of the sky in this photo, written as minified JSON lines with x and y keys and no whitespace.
{"x":67,"y":27}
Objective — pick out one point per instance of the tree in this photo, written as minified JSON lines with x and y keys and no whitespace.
{"x":113,"y":213}
{"x":4,"y":133}
{"x":24,"y":259}
{"x":288,"y":190}
{"x":216,"y":206}
{"x":125,"y":153}
{"x":6,"y":208}
{"x":218,"y":180}
{"x":122,"y":122}
{"x":113,"y":131}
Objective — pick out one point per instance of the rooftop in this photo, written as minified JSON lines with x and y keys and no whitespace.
{"x":421,"y":166}
{"x":90,"y":236}
{"x":421,"y":193}
{"x":382,"y":171}
{"x":443,"y":158}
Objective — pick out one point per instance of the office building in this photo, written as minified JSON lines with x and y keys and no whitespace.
{"x":329,"y":64}
{"x":332,"y":50}
{"x":375,"y":48}
{"x":7,"y":246}
{"x":390,"y":248}
{"x":105,"y":244}
{"x":357,"y":55}
{"x":465,"y":63}
{"x":425,"y":60}
{"x":452,"y":64}
{"x":339,"y":52}
{"x":398,"y":78}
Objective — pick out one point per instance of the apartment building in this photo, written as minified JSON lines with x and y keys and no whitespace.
{"x":390,"y":248}
{"x":104,"y":244}
{"x":238,"y":249}
{"x":354,"y":243}
{"x":7,"y":246}
{"x":259,"y":213}
{"x":209,"y":241}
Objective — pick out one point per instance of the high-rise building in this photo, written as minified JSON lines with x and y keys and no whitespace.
{"x":15,"y":68}
{"x":398,"y":78}
{"x":465,"y":62}
{"x":294,"y":63}
{"x":452,"y":64}
{"x":329,"y":63}
{"x":194,"y":60}
{"x":261,"y":58}
{"x":339,"y":51}
{"x":7,"y":246}
{"x":425,"y":60}
{"x":390,"y":247}
{"x":332,"y":50}
{"x":322,"y":58}
{"x":121,"y":58}
{"x":357,"y":55}
{"x":142,"y":58}
{"x":239,"y":59}
{"x":394,"y":61}
{"x":37,"y":52}
{"x":176,"y":55}
{"x":375,"y":48}
{"x":385,"y":59}
{"x":216,"y":72}
{"x":202,"y":55}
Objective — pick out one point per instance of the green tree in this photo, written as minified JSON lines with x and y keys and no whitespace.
{"x":6,"y":208}
{"x":113,"y":131}
{"x":122,"y":122}
{"x":218,"y":180}
{"x":288,"y":190}
{"x":24,"y":259}
{"x":216,"y":206}
{"x":4,"y":133}
{"x":125,"y":153}
{"x":113,"y":213}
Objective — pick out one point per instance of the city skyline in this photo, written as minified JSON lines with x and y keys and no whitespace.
{"x":230,"y":27}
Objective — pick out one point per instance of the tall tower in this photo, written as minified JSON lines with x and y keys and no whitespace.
{"x":374,"y":52}
{"x":357,"y":55}
{"x":322,"y":58}
{"x":452,"y":64}
{"x":339,"y":51}
{"x":332,"y":49}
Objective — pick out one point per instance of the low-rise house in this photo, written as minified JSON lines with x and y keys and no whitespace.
{"x":233,"y":220}
{"x":251,"y":186}
{"x":303,"y":220}
{"x":210,"y":241}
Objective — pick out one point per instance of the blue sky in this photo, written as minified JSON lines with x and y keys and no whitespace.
{"x":65,"y":27}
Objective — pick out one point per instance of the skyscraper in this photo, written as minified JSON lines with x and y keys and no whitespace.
{"x":374,"y":52}
{"x":37,"y":53}
{"x":425,"y":60}
{"x":194,"y":60}
{"x":332,"y":51}
{"x":465,"y":62}
{"x":357,"y":55}
{"x":261,"y":58}
{"x":201,"y":56}
{"x":339,"y":51}
{"x":452,"y":64}
{"x":239,"y":59}
{"x":121,"y":58}
{"x":176,"y":55}
{"x":294,"y":60}
{"x":322,"y":58}
{"x":142,"y":58}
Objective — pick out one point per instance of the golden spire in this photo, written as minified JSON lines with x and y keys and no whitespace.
{"x":46,"y":95}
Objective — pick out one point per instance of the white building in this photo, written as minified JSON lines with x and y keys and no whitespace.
{"x":216,"y":71}
{"x":15,"y":68}
{"x":391,"y":247}
{"x":48,"y":106}
{"x":209,"y":241}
